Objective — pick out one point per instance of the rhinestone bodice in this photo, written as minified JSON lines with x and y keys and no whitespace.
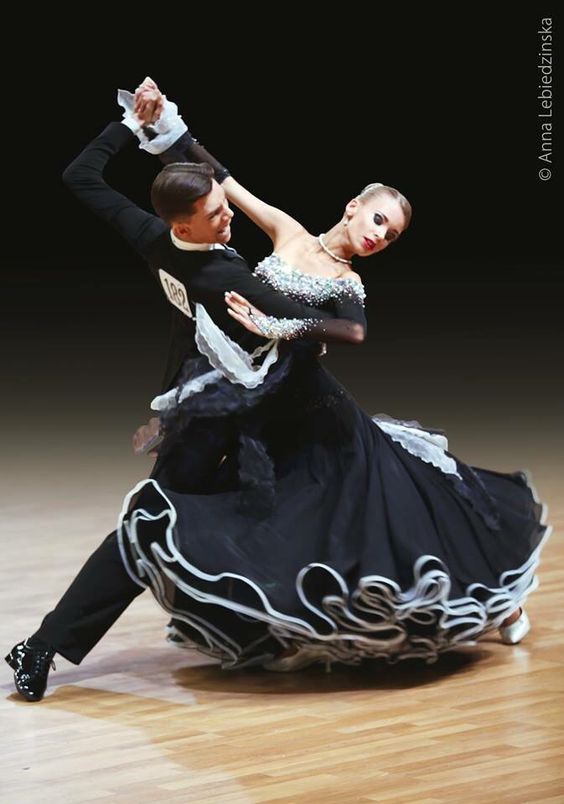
{"x":307,"y":288}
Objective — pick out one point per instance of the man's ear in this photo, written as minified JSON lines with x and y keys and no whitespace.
{"x":181,"y":230}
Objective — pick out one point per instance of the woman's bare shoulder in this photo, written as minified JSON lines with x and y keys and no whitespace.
{"x":353,"y":276}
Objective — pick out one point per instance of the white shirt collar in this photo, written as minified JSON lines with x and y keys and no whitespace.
{"x":185,"y":246}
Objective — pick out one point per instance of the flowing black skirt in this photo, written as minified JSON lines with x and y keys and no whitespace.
{"x":365,"y":537}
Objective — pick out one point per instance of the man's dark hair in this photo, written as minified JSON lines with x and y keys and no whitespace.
{"x":177,"y":187}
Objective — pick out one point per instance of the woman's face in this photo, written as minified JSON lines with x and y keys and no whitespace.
{"x":374,"y":224}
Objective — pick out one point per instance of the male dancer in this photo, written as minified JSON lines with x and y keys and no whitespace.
{"x":185,"y":248}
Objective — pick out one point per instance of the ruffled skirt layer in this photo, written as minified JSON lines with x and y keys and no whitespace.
{"x":377,"y":543}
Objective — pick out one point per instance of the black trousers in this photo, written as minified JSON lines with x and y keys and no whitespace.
{"x":102,"y":590}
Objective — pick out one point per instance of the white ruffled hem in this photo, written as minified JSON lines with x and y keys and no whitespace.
{"x":351,"y":637}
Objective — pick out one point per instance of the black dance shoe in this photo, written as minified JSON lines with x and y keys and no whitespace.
{"x":31,"y":665}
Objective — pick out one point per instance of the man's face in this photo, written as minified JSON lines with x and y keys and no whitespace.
{"x":210,"y":221}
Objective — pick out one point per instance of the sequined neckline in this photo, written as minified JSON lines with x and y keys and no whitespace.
{"x":306,"y":287}
{"x":291,"y":268}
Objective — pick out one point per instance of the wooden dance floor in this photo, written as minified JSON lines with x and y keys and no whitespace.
{"x":142,"y":721}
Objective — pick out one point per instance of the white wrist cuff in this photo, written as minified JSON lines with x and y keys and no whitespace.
{"x":163,"y":141}
{"x":169,"y":127}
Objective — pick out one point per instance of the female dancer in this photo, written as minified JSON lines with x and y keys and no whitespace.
{"x":366,"y":538}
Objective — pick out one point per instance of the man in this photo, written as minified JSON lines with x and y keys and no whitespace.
{"x":186,"y":251}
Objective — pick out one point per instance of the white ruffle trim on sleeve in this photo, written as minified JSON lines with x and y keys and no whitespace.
{"x":168,"y":128}
{"x":228,"y":357}
{"x":430,"y":447}
{"x":169,"y":400}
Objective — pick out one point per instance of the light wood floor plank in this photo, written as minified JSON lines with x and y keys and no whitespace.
{"x":140,"y":721}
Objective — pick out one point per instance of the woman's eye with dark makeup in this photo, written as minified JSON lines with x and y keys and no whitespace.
{"x":378,"y":219}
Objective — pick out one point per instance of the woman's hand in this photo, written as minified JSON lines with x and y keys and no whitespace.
{"x":148,"y":101}
{"x":243,"y":312}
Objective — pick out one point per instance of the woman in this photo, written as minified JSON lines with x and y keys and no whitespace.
{"x":355,"y":537}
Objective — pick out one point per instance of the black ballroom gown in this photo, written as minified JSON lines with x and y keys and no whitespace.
{"x":357,"y":536}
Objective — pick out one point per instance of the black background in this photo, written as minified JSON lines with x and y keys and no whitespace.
{"x":464,"y":309}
